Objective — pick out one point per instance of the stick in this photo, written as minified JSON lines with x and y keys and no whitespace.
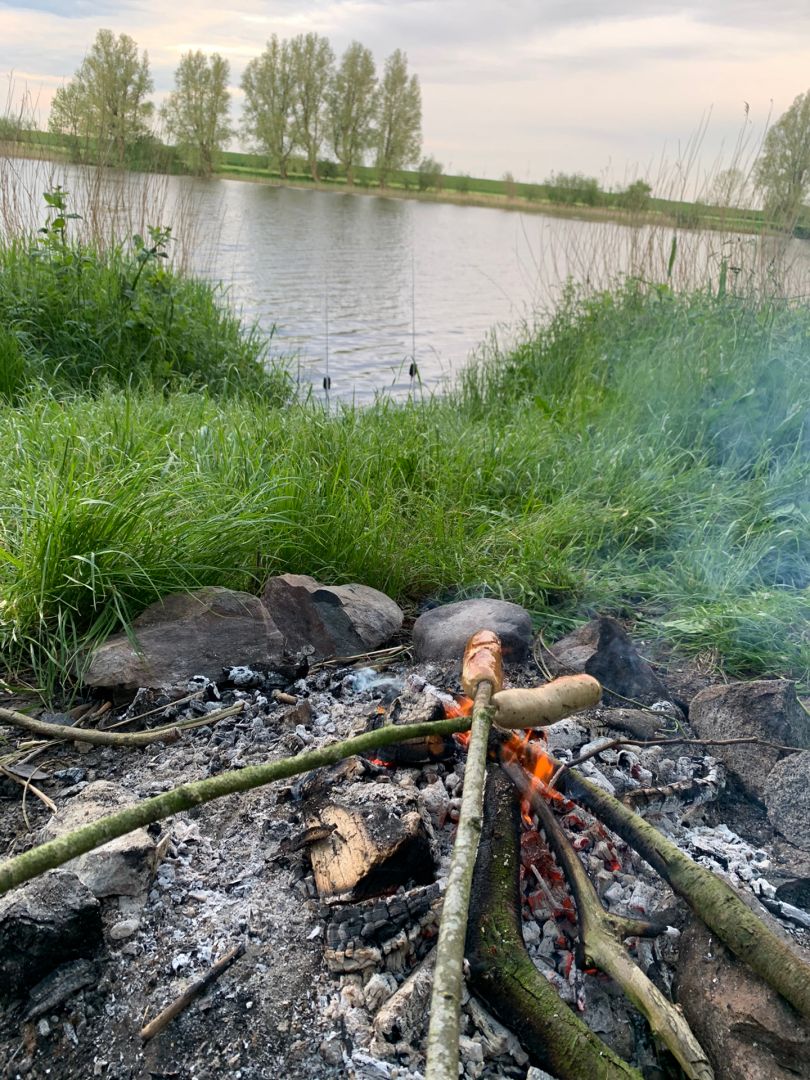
{"x":154,"y":1027}
{"x":711,"y":899}
{"x":57,"y":852}
{"x":445,"y":1002}
{"x":613,"y":743}
{"x":503,"y":974}
{"x":599,"y":934}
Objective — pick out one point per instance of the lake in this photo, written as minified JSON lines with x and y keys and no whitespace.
{"x":357,"y":287}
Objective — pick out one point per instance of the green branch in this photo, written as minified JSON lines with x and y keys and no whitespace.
{"x":57,"y":852}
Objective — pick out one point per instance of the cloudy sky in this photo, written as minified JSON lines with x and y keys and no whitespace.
{"x":532,"y":86}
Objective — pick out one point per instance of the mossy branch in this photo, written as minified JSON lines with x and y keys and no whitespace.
{"x":503,"y":974}
{"x":57,"y":852}
{"x":711,"y":899}
{"x":599,"y":934}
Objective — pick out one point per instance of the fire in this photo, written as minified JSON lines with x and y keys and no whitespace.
{"x":524,"y":749}
{"x":462,"y":706}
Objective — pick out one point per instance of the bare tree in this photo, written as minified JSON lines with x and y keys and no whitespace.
{"x":196,"y":111}
{"x":269,"y":116}
{"x":105,"y":101}
{"x":313,"y":65}
{"x":783,"y":169}
{"x":398,"y":131}
{"x":352,"y":105}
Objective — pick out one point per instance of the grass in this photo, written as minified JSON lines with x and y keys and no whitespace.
{"x":73,"y":316}
{"x":643,"y":453}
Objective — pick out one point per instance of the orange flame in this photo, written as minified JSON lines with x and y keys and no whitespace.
{"x":462,"y":706}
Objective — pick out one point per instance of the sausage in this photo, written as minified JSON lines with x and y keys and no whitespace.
{"x":543,"y":705}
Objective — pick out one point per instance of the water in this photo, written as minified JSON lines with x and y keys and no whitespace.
{"x":358,"y":287}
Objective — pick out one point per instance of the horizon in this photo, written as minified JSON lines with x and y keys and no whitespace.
{"x":505,"y":88}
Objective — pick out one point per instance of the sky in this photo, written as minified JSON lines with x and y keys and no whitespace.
{"x":612,"y":89}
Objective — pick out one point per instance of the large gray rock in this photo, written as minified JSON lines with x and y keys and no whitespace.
{"x":186,"y":634}
{"x":787,"y":797}
{"x":441,"y":633}
{"x":603,"y":648}
{"x":744,"y":1026}
{"x":44,"y":923}
{"x":333,"y":620}
{"x":766,"y":709}
{"x":122,"y":867}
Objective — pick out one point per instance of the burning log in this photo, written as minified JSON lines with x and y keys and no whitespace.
{"x":503,"y":974}
{"x":711,"y":899}
{"x":372,"y":842}
{"x":600,"y":933}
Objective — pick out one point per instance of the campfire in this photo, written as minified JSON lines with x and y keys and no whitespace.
{"x":499,"y":880}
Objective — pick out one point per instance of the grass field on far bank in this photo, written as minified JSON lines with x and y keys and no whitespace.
{"x":642,"y":453}
{"x":540,"y":197}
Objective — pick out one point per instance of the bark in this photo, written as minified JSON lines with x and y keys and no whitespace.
{"x":503,"y":974}
{"x":57,"y":852}
{"x":445,"y":1002}
{"x":711,"y":899}
{"x":600,"y":934}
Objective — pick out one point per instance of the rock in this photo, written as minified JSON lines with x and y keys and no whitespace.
{"x":787,"y":797}
{"x":765,"y":709}
{"x":124,"y":928}
{"x":602,"y":648}
{"x":746,"y":1028}
{"x":441,"y":633}
{"x":44,"y":923}
{"x":124,"y":866}
{"x":334,"y":620}
{"x":188,"y":634}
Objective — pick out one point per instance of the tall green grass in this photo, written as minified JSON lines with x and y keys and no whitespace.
{"x":74,"y":316}
{"x":642,"y":453}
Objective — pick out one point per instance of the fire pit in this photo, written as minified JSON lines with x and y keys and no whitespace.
{"x":335,"y":884}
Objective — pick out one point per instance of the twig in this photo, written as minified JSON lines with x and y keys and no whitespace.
{"x":613,"y":743}
{"x":154,"y":1027}
{"x":445,"y":1003}
{"x":709,"y":896}
{"x":57,"y":852}
{"x":599,"y":934}
{"x":335,"y":661}
{"x":168,"y":733}
{"x":26,"y":785}
{"x":160,"y":708}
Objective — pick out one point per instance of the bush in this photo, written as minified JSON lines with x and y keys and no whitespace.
{"x":636,"y":196}
{"x":79,"y":318}
{"x":572,"y":188}
{"x":429,"y":174}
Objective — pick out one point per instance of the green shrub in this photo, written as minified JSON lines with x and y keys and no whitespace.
{"x":84,"y":319}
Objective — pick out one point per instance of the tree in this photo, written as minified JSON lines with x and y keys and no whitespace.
{"x":106,"y":99}
{"x":429,"y":174}
{"x":269,"y":116}
{"x":783,"y":169}
{"x":636,"y":196}
{"x":196,"y":111}
{"x":351,"y":105}
{"x":313,"y":65}
{"x":729,"y":188}
{"x":398,"y":131}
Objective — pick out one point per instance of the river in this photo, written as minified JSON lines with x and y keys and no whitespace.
{"x":359,"y":287}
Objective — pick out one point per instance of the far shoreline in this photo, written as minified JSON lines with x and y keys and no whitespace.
{"x":716,"y":222}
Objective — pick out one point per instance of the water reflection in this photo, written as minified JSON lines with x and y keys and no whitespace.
{"x":357,"y":286}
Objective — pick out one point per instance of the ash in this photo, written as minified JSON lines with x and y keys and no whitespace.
{"x":337,"y":984}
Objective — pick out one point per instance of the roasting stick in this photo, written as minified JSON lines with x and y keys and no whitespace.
{"x":482,"y":675}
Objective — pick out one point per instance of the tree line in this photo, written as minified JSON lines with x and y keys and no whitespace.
{"x":300,"y":102}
